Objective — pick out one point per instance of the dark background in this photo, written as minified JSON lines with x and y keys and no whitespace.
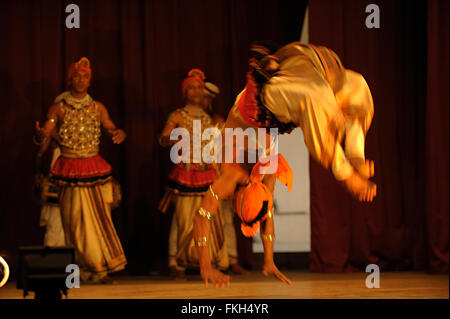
{"x":140,"y":51}
{"x":405,"y":63}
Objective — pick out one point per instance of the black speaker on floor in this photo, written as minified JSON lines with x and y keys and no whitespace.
{"x":43,"y":270}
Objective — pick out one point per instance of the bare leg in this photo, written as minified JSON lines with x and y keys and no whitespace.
{"x":267,"y":233}
{"x":366,"y":168}
{"x":174,"y":270}
{"x":354,"y":148}
{"x":356,"y":103}
{"x":359,"y":186}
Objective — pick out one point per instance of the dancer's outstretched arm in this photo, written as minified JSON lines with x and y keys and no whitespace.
{"x":268,"y":237}
{"x":223,"y":187}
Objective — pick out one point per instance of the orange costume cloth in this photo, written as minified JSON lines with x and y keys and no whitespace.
{"x":191,"y":178}
{"x":254,"y":201}
{"x":81,"y":171}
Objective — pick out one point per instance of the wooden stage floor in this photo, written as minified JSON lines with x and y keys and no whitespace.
{"x":305,"y":285}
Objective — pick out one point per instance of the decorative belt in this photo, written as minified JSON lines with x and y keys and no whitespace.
{"x":71,"y":153}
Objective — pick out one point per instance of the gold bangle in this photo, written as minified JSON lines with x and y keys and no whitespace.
{"x":269,"y":214}
{"x":214,"y":194}
{"x":201,"y":242}
{"x":269,"y":237}
{"x":204,"y":213}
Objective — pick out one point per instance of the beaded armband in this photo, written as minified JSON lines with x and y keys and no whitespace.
{"x":201,"y":242}
{"x":204,"y":213}
{"x":214,"y":194}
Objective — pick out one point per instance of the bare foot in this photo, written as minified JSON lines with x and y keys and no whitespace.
{"x":106,"y":280}
{"x":109,"y":281}
{"x":177,"y":274}
{"x":361,"y":188}
{"x":238,"y":269}
{"x":366,"y":168}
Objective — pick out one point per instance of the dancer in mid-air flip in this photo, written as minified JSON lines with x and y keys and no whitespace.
{"x":302,"y":86}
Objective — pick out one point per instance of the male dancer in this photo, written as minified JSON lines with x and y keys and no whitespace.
{"x":188,"y":182}
{"x":84,"y":176}
{"x":297,"y":86}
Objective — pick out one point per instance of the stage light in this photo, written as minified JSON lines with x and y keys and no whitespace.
{"x":4,"y":272}
{"x":43,"y":270}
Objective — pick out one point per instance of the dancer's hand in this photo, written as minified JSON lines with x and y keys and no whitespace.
{"x":217,"y":278}
{"x":41,"y":133}
{"x":118,"y":136}
{"x":269,"y":268}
